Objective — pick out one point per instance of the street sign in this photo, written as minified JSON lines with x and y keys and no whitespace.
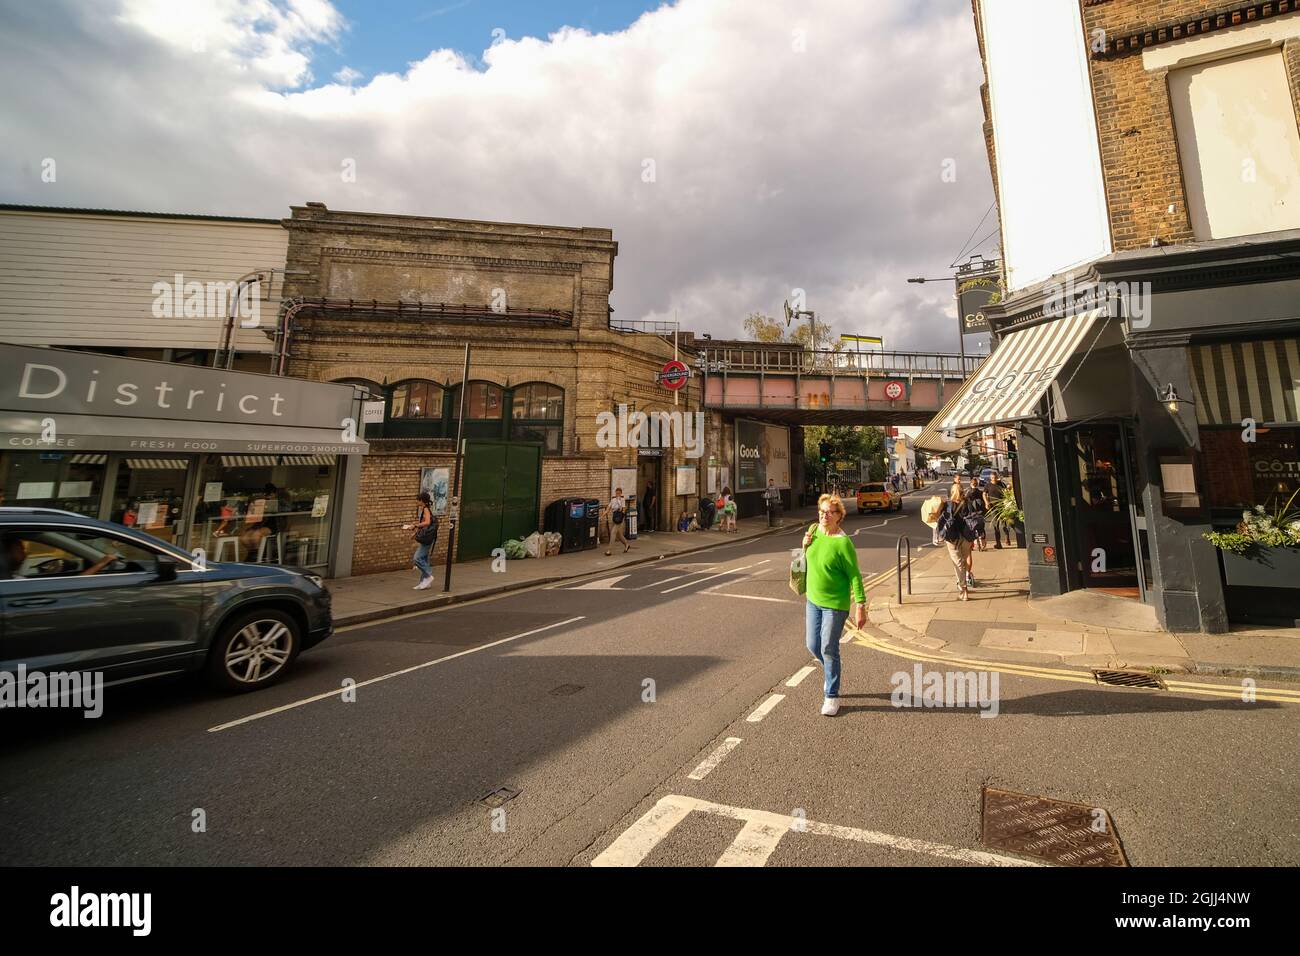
{"x":674,"y":375}
{"x":894,"y":390}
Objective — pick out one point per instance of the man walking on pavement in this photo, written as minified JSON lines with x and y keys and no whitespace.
{"x":772,"y":496}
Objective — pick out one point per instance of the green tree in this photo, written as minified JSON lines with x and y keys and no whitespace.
{"x":764,"y":328}
{"x":847,"y":445}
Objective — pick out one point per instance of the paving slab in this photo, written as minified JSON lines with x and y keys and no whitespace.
{"x":1053,"y":642}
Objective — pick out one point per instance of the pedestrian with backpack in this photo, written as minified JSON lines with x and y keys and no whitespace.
{"x":425,"y":537}
{"x":957,"y":529}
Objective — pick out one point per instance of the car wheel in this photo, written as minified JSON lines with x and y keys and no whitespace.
{"x":253,"y":650}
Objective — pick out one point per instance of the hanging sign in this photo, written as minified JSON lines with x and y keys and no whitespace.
{"x":674,"y":375}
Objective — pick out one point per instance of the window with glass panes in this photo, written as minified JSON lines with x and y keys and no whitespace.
{"x":537,"y":414}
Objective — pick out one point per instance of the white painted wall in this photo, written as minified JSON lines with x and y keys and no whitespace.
{"x":1053,"y":201}
{"x":86,"y":279}
{"x":1238,"y":144}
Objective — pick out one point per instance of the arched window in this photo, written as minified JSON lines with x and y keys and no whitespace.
{"x":484,"y":402}
{"x":537,"y":414}
{"x":416,"y":400}
{"x":374,"y":388}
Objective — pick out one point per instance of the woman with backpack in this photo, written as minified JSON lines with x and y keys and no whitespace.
{"x":958,"y":528}
{"x":425,"y":537}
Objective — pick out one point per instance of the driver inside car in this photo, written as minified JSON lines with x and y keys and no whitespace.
{"x":16,"y":553}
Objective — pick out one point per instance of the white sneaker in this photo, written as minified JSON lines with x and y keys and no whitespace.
{"x":830,"y":706}
{"x":424,"y":584}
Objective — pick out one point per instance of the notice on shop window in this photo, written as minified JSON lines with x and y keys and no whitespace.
{"x":147,"y":515}
{"x":320,"y":506}
{"x":35,"y":489}
{"x":76,"y":489}
{"x":211,"y":492}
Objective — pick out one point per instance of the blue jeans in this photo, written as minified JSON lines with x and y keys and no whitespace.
{"x":422,"y":561}
{"x":823,"y":626}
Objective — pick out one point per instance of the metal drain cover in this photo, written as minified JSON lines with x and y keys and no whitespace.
{"x":1064,"y":834}
{"x":499,"y":797}
{"x":564,"y":690}
{"x":1129,"y":679}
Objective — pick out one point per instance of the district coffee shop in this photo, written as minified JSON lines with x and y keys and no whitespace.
{"x":195,"y":456}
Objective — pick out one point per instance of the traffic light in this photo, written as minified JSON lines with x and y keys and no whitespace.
{"x":824,"y":449}
{"x":1011,"y":448}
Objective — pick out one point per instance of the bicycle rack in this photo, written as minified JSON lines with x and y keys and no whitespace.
{"x":898,"y":565}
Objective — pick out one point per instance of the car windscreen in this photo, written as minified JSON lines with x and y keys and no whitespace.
{"x":871,"y":490}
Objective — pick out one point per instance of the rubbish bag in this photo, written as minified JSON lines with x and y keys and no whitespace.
{"x":533,"y":545}
{"x":514,"y":549}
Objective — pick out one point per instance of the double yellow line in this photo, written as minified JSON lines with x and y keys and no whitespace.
{"x":1272,"y":694}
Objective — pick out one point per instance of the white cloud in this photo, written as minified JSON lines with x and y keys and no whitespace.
{"x":775,"y":168}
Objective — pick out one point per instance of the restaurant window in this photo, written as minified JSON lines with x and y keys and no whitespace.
{"x":37,"y":479}
{"x":272,"y":509}
{"x":1241,"y":475}
{"x":537,"y":414}
{"x":148,"y":495}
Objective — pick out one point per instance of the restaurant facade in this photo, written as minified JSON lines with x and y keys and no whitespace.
{"x":242,"y":466}
{"x":1147,"y":343}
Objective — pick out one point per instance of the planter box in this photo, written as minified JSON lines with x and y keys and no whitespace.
{"x":1263,"y":568}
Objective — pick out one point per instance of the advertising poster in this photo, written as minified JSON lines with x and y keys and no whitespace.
{"x":762,"y":452}
{"x":437,"y":482}
{"x":687,"y":482}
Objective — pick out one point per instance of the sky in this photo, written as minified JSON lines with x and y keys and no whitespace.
{"x":740,"y":150}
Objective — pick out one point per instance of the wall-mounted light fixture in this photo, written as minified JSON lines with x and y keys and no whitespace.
{"x":1169,"y":395}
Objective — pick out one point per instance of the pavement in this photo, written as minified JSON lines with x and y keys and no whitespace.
{"x":1088,"y":629}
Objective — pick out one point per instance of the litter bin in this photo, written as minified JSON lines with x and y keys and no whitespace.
{"x":568,"y":516}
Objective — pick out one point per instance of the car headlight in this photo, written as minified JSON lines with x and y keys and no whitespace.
{"x":316,"y":579}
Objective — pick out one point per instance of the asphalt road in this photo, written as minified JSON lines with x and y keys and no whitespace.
{"x":596,"y":700}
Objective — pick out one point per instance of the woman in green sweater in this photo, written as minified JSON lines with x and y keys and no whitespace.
{"x":834,"y":584}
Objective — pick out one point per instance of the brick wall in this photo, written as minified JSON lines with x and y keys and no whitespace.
{"x":390,"y":480}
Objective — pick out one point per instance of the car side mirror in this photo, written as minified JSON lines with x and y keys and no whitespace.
{"x":166,"y":567}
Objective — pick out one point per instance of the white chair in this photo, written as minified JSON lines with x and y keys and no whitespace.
{"x":231,"y":540}
{"x":279,"y":548}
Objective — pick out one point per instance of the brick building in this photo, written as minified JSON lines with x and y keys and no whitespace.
{"x":388,"y":303}
{"x":1146,"y":158}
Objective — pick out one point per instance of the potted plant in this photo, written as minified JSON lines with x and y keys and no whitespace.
{"x":1007,"y":512}
{"x":1263,"y":551}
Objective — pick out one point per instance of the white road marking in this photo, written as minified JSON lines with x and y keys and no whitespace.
{"x":603,"y":584}
{"x":376,"y":680}
{"x":678,"y":577}
{"x":762,"y":832}
{"x":720,"y":574}
{"x":747,"y":597}
{"x":713,"y":759}
{"x":799,"y":675}
{"x":765,"y":708}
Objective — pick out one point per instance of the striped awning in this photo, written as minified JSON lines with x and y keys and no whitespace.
{"x":88,"y":459}
{"x":157,"y":464}
{"x":1234,"y":381}
{"x":1009,"y":384}
{"x":935,"y":438}
{"x":270,"y":461}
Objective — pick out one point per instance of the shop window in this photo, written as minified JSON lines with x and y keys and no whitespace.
{"x":1240,"y":475}
{"x":69,"y":482}
{"x":273,"y":509}
{"x":148,"y":494}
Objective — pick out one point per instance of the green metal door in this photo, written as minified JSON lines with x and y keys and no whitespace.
{"x":498,"y":497}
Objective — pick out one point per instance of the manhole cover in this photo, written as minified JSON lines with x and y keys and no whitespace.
{"x":1129,"y":679}
{"x":564,"y":690}
{"x":499,"y":797}
{"x":1064,"y":834}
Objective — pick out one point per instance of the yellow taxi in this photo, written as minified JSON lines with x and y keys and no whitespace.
{"x":876,"y":496}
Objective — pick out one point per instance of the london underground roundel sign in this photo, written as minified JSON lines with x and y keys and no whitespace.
{"x":674,"y":375}
{"x":894,"y":391}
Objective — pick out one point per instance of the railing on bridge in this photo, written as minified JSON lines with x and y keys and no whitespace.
{"x":789,"y":360}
